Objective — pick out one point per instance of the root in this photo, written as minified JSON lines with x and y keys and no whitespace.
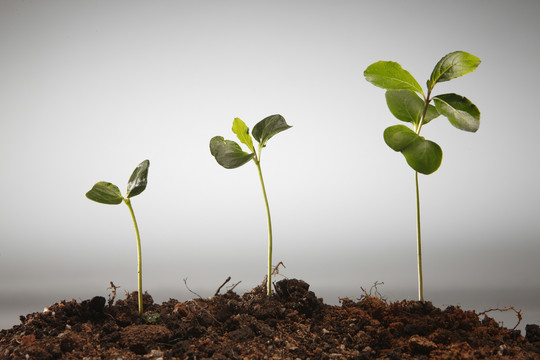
{"x":373,"y":292}
{"x":189,"y":309}
{"x":191,"y":291}
{"x":519,"y":315}
{"x":233,"y":286}
{"x":112,"y":295}
{"x":219,"y":288}
{"x":275,"y":271}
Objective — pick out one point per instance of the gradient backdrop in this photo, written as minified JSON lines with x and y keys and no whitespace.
{"x":88,"y":89}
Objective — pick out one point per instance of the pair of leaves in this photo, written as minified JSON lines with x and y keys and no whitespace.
{"x":230,"y":155}
{"x":422,"y":155}
{"x":391,"y":76}
{"x":406,"y":105}
{"x":106,"y":193}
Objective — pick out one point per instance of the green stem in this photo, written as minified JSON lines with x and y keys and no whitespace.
{"x":427,"y":100}
{"x":418,"y":228}
{"x":269,"y":276}
{"x":419,"y":242}
{"x":139,"y":255}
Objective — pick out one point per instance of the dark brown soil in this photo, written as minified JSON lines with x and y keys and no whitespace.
{"x":291,"y":324}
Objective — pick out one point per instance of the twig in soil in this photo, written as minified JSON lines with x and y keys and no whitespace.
{"x":370,"y":294}
{"x":112,"y":295}
{"x":191,"y":291}
{"x":219,"y":288}
{"x":276,"y":269}
{"x":233,"y":286}
{"x":518,"y":313}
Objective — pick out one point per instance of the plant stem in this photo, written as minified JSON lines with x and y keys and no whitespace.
{"x":139,"y":256}
{"x":419,"y":242}
{"x":427,"y":100}
{"x":269,"y":276}
{"x":418,"y":228}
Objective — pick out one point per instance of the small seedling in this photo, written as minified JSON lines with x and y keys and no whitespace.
{"x":404,"y":102}
{"x":230,"y":155}
{"x":107,"y":193}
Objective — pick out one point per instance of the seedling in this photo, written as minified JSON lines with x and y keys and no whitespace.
{"x":230,"y":155}
{"x":404,"y":102}
{"x":107,"y":193}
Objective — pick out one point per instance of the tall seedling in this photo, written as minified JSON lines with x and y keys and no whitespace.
{"x":230,"y":155}
{"x":408,"y":102}
{"x":107,"y":193}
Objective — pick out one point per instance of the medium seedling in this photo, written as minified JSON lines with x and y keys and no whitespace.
{"x":107,"y":193}
{"x":230,"y":155}
{"x":404,"y":101}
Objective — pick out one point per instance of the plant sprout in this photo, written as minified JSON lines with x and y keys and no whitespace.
{"x":107,"y":193}
{"x":403,"y":99}
{"x":230,"y":155}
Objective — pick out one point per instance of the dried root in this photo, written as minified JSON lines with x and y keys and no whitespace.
{"x":275,"y":271}
{"x":191,"y":291}
{"x":519,"y":315}
{"x":373,"y":292}
{"x":219,"y":288}
{"x":112,"y":295}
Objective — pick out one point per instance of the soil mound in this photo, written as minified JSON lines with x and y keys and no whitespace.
{"x":291,"y":324}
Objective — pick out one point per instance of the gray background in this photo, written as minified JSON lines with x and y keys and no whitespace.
{"x":89,"y":89}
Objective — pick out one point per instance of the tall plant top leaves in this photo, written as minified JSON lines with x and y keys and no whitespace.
{"x":462,"y":113}
{"x":138,"y":179}
{"x":407,"y":106}
{"x":242,"y":132}
{"x":268,"y":127}
{"x":228,"y":153}
{"x":453,"y":65}
{"x":390,"y":75}
{"x":105,"y":193}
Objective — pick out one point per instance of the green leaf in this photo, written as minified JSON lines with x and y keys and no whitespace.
{"x":398,"y":137}
{"x":105,"y":193}
{"x":423,"y":155}
{"x":405,"y":105}
{"x":242,"y":132}
{"x":461,"y":112}
{"x":431,"y":114}
{"x":138,"y":179}
{"x":268,"y":127}
{"x":390,"y":75}
{"x":453,"y":65}
{"x":228,"y":153}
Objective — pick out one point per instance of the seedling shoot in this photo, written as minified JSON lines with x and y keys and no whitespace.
{"x":107,"y":193}
{"x":408,"y":102}
{"x":230,"y":155}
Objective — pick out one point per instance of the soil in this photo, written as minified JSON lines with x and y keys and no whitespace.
{"x":291,"y":324}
